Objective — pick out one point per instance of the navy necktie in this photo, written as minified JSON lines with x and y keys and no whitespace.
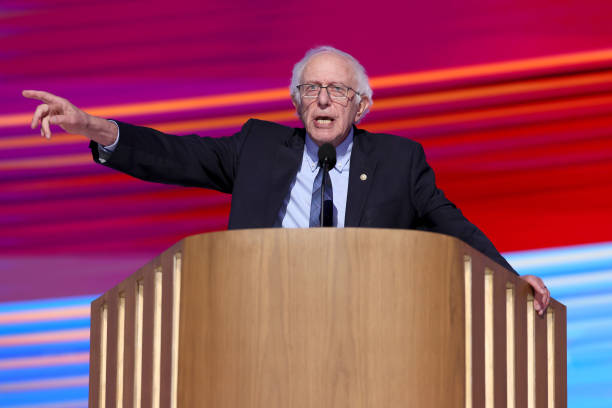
{"x":328,"y":204}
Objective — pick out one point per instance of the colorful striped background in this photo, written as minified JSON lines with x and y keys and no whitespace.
{"x":512,"y":101}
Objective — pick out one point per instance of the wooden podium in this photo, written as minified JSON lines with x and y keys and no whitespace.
{"x":325,"y":318}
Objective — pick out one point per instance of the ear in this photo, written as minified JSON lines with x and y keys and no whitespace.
{"x":364,"y":105}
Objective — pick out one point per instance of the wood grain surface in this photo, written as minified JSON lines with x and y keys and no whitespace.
{"x":322,"y":318}
{"x":325,"y":318}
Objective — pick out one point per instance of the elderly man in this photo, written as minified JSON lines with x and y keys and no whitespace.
{"x":272,"y":171}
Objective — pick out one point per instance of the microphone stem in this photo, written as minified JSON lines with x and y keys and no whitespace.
{"x":324,"y":168}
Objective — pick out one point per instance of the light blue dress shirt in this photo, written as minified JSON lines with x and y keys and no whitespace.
{"x":295,"y":212}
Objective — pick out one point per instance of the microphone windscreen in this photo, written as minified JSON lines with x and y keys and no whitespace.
{"x":327,"y":154}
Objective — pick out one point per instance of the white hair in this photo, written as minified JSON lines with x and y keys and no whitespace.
{"x":363,"y":83}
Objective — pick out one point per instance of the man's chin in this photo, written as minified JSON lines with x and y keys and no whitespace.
{"x":321,"y":136}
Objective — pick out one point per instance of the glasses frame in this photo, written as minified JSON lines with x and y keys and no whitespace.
{"x":326,"y":87}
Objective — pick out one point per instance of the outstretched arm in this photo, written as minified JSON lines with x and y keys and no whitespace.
{"x":143,"y":152}
{"x":59,"y":111}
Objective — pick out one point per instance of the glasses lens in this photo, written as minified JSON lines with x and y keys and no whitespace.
{"x":310,"y":90}
{"x":337,"y":91}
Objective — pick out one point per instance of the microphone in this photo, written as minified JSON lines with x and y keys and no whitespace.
{"x":327,"y":161}
{"x":327,"y":156}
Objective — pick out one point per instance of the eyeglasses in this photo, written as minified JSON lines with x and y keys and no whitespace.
{"x":337,"y":93}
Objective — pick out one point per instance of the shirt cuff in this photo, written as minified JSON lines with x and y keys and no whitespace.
{"x":104,"y":152}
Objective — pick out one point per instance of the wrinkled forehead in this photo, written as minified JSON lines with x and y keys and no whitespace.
{"x":327,"y":68}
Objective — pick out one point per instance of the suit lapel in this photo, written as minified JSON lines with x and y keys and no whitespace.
{"x":286,"y":164}
{"x":361,"y":176}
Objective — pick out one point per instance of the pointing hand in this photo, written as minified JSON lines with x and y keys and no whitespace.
{"x":59,"y":111}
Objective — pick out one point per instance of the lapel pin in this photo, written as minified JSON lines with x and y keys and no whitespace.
{"x":363,"y":177}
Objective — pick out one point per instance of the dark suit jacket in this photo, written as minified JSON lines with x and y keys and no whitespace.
{"x":258,"y":164}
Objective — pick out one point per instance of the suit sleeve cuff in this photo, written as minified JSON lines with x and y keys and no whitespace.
{"x":104,"y":152}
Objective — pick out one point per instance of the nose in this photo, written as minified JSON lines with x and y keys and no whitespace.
{"x":323,"y":98}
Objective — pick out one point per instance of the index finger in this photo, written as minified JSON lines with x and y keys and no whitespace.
{"x":41,"y":96}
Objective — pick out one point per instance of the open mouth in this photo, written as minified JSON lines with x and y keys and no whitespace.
{"x":323,"y":120}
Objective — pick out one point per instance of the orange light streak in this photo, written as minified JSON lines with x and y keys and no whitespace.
{"x":200,"y":102}
{"x":538,"y":85}
{"x":18,"y":142}
{"x":234,"y":121}
{"x":495,"y":68}
{"x":167,"y":106}
{"x":44,"y":361}
{"x":380,"y":82}
{"x":44,"y":337}
{"x":44,"y":315}
{"x":524,"y":133}
{"x":490,"y":113}
{"x":381,"y":126}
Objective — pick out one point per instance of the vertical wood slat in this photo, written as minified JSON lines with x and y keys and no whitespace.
{"x":167,"y":341}
{"x":176,"y":296}
{"x":511,"y":345}
{"x":520,"y":329}
{"x":112,"y":304}
{"x":467,"y":265}
{"x":496,"y":351}
{"x":560,"y":357}
{"x":138,"y":340}
{"x":129,"y":289}
{"x":531,"y":350}
{"x":500,"y":345}
{"x":489,"y":374}
{"x":120,"y":338}
{"x":550,"y":356}
{"x":478,"y":332}
{"x":146,"y":381}
{"x":103,"y":355}
{"x":94,"y":354}
{"x":156,"y":347}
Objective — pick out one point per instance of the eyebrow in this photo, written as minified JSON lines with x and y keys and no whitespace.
{"x":331,"y":83}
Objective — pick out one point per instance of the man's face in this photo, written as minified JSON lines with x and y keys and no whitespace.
{"x":325,"y":120}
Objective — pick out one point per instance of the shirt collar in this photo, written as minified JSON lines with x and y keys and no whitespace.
{"x":343,"y":152}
